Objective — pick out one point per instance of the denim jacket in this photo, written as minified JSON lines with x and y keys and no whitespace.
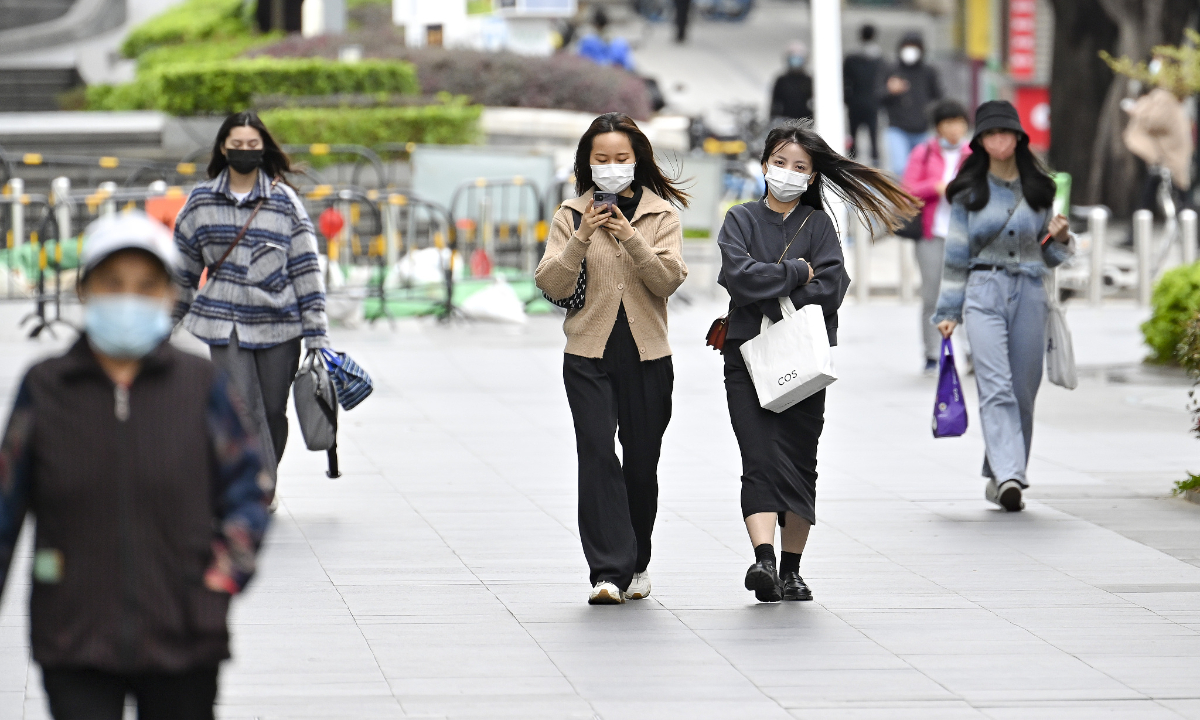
{"x":973,"y":242}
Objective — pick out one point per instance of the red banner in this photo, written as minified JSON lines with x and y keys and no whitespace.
{"x":1033,"y":105}
{"x":1022,"y":39}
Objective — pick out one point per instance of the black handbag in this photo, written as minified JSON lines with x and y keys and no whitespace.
{"x":577,"y":298}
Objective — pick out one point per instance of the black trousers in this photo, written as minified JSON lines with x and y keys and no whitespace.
{"x":264,"y":379}
{"x":618,"y":499}
{"x":683,"y":9}
{"x":89,"y":694}
{"x":858,"y":118}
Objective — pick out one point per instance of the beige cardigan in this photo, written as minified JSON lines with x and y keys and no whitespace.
{"x":641,"y":272}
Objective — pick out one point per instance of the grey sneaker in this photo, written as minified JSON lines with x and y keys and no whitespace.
{"x":1007,"y":494}
{"x":640,"y":587}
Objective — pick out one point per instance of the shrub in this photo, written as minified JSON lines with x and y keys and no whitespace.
{"x":188,"y":22}
{"x":561,"y":81}
{"x":1175,"y":301}
{"x":227,"y":86}
{"x":210,"y":51}
{"x":452,"y":123}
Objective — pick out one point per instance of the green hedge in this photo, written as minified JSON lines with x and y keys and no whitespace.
{"x":454,"y":123}
{"x":228,"y":85}
{"x":1175,"y":301}
{"x":189,"y":22}
{"x":202,"y":52}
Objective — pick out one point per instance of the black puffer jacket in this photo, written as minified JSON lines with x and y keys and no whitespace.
{"x":909,"y":110}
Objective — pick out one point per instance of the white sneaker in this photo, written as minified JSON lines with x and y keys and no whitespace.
{"x":605,"y":593}
{"x":1006,"y":494}
{"x":640,"y":587}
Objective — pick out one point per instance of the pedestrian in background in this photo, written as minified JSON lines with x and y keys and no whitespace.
{"x":617,"y":367}
{"x":791,"y":97}
{"x":246,"y":231}
{"x":683,"y":12}
{"x":603,"y":50}
{"x":909,"y":88}
{"x":1002,"y":243}
{"x":1160,"y":134}
{"x":931,"y":167}
{"x":785,"y":245}
{"x":135,"y":460}
{"x":860,"y":76}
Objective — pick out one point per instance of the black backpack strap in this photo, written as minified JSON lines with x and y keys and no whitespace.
{"x":576,"y":217}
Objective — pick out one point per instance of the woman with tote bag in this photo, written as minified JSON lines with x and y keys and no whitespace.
{"x":784,"y":247}
{"x":613,"y":265}
{"x":1002,"y":244}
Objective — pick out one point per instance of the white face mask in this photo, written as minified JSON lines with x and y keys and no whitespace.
{"x":613,"y":178}
{"x":910,"y":54}
{"x":786,"y":185}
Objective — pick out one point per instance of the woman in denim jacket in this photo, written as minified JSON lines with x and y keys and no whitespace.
{"x":1003,"y":242}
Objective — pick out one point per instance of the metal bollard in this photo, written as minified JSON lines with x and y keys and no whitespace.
{"x":391,"y":229}
{"x":1143,"y":243}
{"x":158,"y":187}
{"x":1098,"y":230}
{"x":1187,"y":235}
{"x":345,"y":248}
{"x":906,"y":269}
{"x":862,"y":260}
{"x":16,"y":188}
{"x":60,"y":187}
{"x":108,"y":206}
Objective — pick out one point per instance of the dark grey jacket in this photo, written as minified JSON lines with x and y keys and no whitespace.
{"x":752,"y":240}
{"x":909,"y":111}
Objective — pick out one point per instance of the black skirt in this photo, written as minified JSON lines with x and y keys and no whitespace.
{"x":779,"y":450}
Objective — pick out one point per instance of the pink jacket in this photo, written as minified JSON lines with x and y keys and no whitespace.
{"x":924,"y":174}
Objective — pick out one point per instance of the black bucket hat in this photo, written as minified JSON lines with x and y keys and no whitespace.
{"x":998,"y":115}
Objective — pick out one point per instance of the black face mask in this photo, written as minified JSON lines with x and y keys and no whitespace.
{"x":244,"y":161}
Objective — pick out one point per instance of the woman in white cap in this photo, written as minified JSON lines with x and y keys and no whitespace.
{"x":150,"y":520}
{"x":1002,"y":243}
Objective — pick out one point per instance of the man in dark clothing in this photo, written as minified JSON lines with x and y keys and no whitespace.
{"x":908,"y":89}
{"x":683,"y":11}
{"x":860,"y":75}
{"x":791,"y":98}
{"x":148,"y":492}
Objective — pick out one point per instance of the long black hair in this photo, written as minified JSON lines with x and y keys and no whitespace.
{"x":873,"y":195}
{"x":1036,"y":184}
{"x":647,"y":173}
{"x":275,"y":161}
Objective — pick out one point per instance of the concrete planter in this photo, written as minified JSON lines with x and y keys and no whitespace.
{"x":1192,"y":496}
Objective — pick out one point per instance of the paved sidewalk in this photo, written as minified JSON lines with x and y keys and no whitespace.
{"x":442,"y":576}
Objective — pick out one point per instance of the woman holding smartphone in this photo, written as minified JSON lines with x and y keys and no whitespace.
{"x":785,"y":245}
{"x":617,"y":366}
{"x":1002,"y":243}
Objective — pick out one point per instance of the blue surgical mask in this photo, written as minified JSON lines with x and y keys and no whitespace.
{"x":126,"y":327}
{"x":796,"y":62}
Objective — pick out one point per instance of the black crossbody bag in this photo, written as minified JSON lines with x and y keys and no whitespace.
{"x":577,"y":298}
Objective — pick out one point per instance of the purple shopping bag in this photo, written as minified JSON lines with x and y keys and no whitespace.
{"x":949,"y":409}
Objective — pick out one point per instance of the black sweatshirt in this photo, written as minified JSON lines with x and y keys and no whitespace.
{"x":909,"y":110}
{"x":751,"y":241}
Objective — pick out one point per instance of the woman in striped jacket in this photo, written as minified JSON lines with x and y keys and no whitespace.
{"x":246,"y":231}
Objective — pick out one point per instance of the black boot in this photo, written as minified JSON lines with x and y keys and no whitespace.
{"x":762,"y":577}
{"x":794,"y":587}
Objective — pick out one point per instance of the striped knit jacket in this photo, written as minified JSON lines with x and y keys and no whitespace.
{"x":1016,"y":248}
{"x":270,"y":288}
{"x":640,"y":273}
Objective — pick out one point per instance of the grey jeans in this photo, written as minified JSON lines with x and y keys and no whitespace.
{"x":1005,"y":318}
{"x":263,"y":378}
{"x":930,"y":258}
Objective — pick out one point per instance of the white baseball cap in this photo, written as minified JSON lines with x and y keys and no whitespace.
{"x":129,"y":230}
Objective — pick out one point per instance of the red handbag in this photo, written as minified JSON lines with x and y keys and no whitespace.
{"x":717,"y":332}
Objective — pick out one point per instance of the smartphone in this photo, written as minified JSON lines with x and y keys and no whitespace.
{"x":600,"y":199}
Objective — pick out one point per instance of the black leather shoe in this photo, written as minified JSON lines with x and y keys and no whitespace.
{"x":763,"y":579}
{"x":794,"y":587}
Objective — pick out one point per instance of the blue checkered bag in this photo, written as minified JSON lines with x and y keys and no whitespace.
{"x":351,"y":382}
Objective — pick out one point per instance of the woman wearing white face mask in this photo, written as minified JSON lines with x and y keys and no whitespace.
{"x":786,"y":246}
{"x":908,"y":89}
{"x":617,"y":367}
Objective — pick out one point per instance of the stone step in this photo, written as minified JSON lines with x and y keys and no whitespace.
{"x":36,"y":88}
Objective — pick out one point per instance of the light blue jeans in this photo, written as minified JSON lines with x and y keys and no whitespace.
{"x":900,"y":144}
{"x":1005,"y":318}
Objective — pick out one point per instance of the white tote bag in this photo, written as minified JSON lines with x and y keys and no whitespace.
{"x":1060,"y":352}
{"x":790,"y":360}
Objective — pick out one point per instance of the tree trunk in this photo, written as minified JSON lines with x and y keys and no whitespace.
{"x":1079,"y":82}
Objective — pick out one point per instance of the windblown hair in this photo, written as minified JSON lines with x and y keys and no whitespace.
{"x":647,"y":173}
{"x":1036,"y":184}
{"x":876,"y":199}
{"x":275,"y":161}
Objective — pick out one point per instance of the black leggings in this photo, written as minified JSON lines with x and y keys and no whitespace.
{"x":89,"y":694}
